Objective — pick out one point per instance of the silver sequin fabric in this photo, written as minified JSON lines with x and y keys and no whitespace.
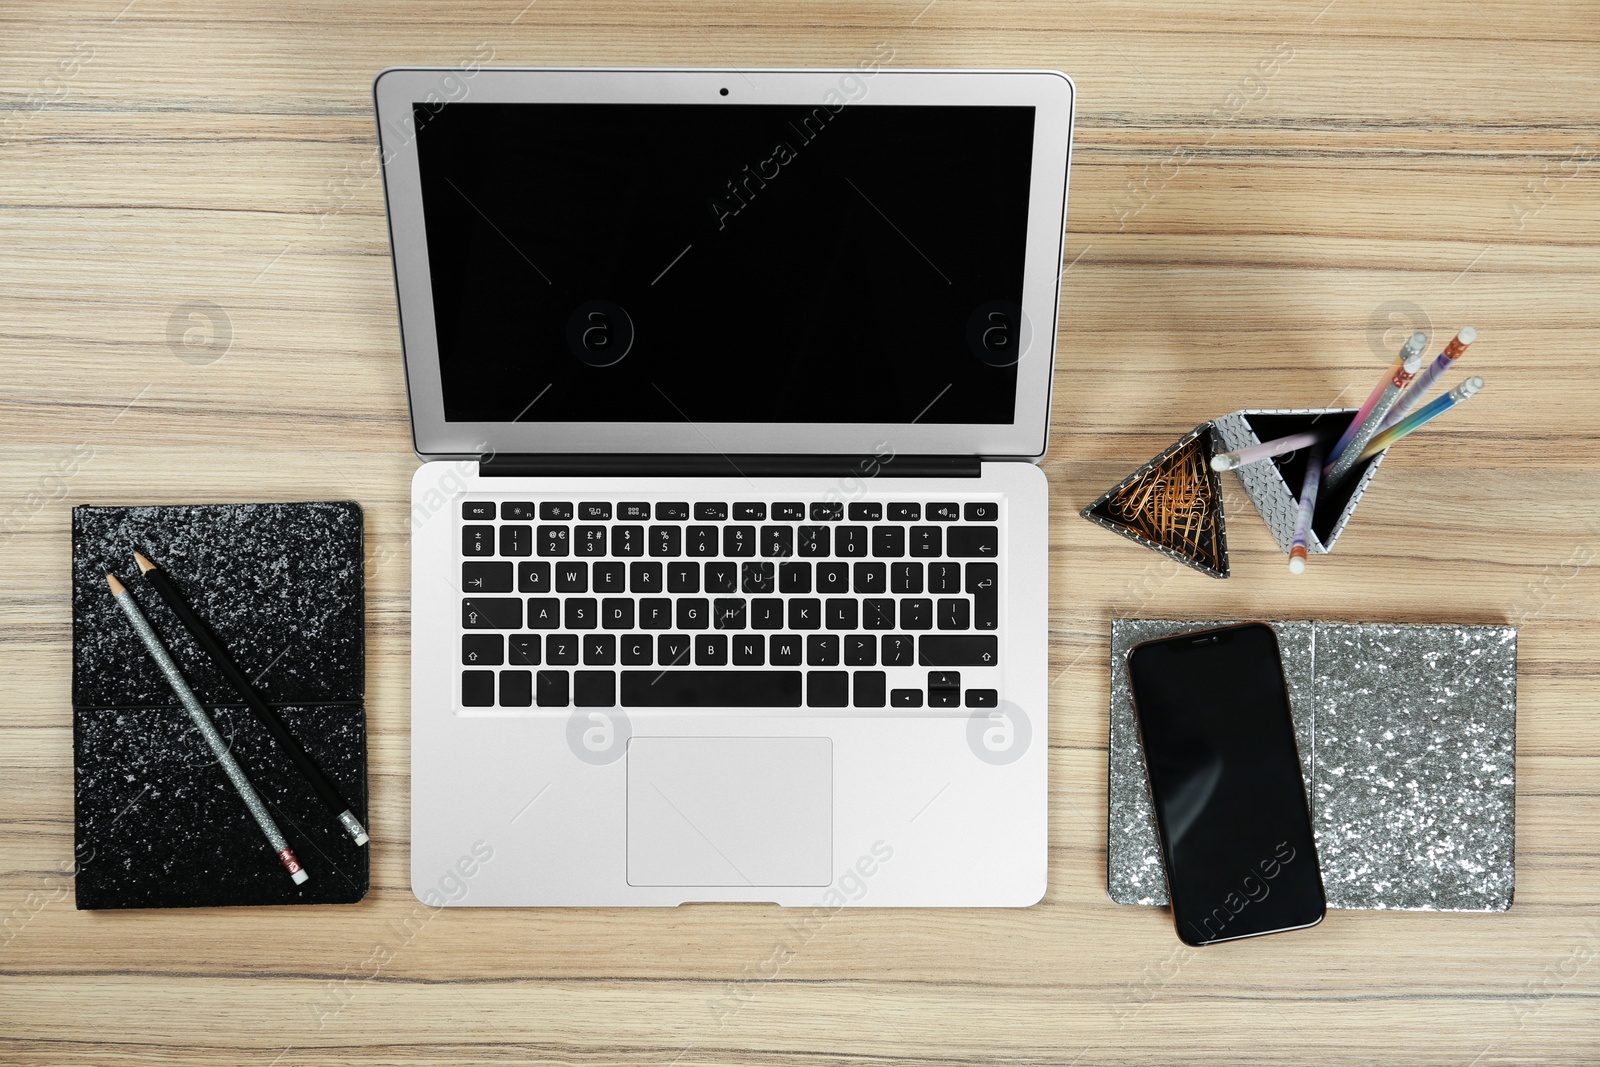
{"x":1407,"y":740}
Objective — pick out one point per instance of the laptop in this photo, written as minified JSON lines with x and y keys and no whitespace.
{"x":729,"y":546}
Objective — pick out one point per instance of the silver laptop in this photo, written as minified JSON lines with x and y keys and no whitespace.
{"x":729,"y":554}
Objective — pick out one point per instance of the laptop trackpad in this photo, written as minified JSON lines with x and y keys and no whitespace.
{"x":730,"y":811}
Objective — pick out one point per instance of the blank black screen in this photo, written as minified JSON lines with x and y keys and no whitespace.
{"x":1229,"y":797}
{"x":747,"y":263}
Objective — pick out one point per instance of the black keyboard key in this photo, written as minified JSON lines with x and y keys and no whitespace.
{"x":636,"y":650}
{"x":676,"y":511}
{"x":814,"y":541}
{"x":869,"y":688}
{"x":728,"y":613}
{"x":749,"y":650}
{"x":701,"y":541}
{"x":805,"y":613}
{"x":983,"y":582}
{"x":554,"y":540}
{"x":491,"y":613}
{"x":968,"y":541}
{"x":599,"y":650}
{"x":905,"y":577}
{"x":522,"y":650}
{"x":842,"y":614}
{"x":582,"y":613}
{"x":482,"y":650}
{"x":944,"y":698}
{"x":860,"y":650}
{"x":477,"y":510}
{"x":757,"y":577}
{"x":711,"y":650}
{"x":477,"y":540}
{"x":982,"y":512}
{"x":866,"y":511}
{"x":943,"y":512}
{"x":877,"y":613}
{"x":633,"y":511}
{"x":533,"y":577}
{"x":694,"y":613}
{"x":828,"y":689}
{"x":572,"y":577}
{"x":516,"y":689}
{"x":889,"y":542}
{"x":683,"y":577}
{"x":517,"y":509}
{"x":789,"y":512}
{"x":766,"y":614}
{"x":944,"y":577}
{"x":899,"y":650}
{"x":551,"y":689}
{"x":904,"y":512}
{"x":738,"y":540}
{"x":785,"y":650}
{"x":777,"y":540}
{"x":594,"y":689}
{"x":485,"y":577}
{"x":610,"y":577}
{"x":477,"y":687}
{"x":792,"y":577}
{"x":826,"y":511}
{"x":822,"y":650}
{"x":916,"y":613}
{"x":644,"y":577}
{"x":589,"y":541}
{"x":594,"y":511}
{"x":666,"y":540}
{"x":616,"y":613}
{"x":925,"y":541}
{"x":850,"y":541}
{"x":870,"y":577}
{"x":983,"y":698}
{"x":711,"y":689}
{"x":955,"y":613}
{"x":944,"y":679}
{"x":833,"y":577}
{"x":561,"y":650}
{"x":906,"y":698}
{"x":627,"y":540}
{"x":544,"y":613}
{"x":655,"y":613}
{"x":722,"y":577}
{"x":518,"y":541}
{"x":963,"y":650}
{"x":711,"y":512}
{"x":750,"y":512}
{"x":556,"y":511}
{"x":672,"y":650}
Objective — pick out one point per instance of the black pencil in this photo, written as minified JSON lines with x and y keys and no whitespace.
{"x":268,"y":718}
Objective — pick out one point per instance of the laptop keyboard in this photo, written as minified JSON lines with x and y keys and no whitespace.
{"x":754,"y":604}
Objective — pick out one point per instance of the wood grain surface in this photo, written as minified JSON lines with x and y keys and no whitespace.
{"x":196,"y":305}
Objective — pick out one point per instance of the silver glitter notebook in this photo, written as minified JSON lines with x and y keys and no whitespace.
{"x":1407,"y":738}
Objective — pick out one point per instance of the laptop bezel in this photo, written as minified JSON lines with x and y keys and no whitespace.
{"x":1050,"y":93}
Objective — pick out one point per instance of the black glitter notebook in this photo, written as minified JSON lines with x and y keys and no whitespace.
{"x":158,"y":823}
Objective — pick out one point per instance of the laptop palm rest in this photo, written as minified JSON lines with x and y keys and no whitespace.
{"x":730,"y":811}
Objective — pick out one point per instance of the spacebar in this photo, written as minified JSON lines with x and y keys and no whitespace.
{"x":710,"y":689}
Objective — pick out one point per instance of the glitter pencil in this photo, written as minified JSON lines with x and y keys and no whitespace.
{"x":1338,"y":468}
{"x":1417,"y":419}
{"x":1412,"y":348}
{"x":214,"y":647}
{"x":1424,"y":381}
{"x":202,"y":722}
{"x":1308,"y":507}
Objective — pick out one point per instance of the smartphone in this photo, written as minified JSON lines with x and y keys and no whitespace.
{"x":1230,"y":803}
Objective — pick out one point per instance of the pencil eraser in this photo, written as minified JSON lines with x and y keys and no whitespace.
{"x":362,"y":838}
{"x":300,"y":876}
{"x":1296,"y":565}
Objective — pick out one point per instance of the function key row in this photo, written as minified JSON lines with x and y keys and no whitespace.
{"x":680,"y":511}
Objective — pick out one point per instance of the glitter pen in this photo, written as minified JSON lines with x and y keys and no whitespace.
{"x":202,"y":722}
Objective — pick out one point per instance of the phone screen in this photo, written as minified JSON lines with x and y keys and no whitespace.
{"x":1230,"y":803}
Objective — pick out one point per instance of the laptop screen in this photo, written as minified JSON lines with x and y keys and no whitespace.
{"x":726,"y":263}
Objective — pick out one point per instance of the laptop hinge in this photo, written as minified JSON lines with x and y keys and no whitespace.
{"x":716,"y":465}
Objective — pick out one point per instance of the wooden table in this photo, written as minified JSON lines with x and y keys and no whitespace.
{"x":197,"y":305}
